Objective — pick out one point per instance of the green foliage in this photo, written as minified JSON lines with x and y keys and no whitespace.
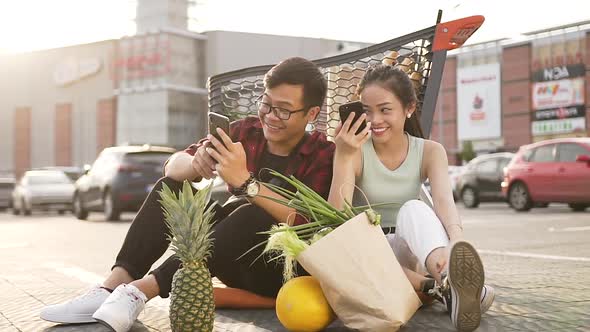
{"x":467,"y":153}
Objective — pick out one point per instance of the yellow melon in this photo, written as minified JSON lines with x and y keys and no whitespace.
{"x":302,"y":307}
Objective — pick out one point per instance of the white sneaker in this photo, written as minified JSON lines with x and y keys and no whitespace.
{"x":488,"y":294}
{"x":77,"y":310}
{"x":463,"y":285}
{"x":120,"y":310}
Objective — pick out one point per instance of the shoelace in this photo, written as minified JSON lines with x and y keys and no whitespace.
{"x":88,"y":295}
{"x":438,"y":289}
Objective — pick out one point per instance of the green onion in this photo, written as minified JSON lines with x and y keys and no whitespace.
{"x":287,"y":242}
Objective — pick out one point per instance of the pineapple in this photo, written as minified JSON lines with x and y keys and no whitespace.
{"x":190,"y":223}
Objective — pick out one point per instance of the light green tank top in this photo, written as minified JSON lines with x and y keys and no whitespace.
{"x":382,"y":185}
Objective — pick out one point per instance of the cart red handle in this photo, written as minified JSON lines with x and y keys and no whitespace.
{"x":453,"y":34}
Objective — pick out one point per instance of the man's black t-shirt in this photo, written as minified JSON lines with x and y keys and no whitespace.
{"x":270,"y":161}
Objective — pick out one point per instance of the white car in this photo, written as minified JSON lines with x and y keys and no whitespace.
{"x":43,"y":190}
{"x":454,"y":175}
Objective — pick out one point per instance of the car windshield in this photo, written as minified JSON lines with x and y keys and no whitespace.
{"x":147,"y":158}
{"x":54,"y":178}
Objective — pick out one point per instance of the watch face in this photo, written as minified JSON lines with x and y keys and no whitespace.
{"x":253,"y":189}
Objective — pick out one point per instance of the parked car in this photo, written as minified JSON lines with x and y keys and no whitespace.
{"x":556,"y":170}
{"x":6,"y":188}
{"x":119,"y":180}
{"x":481,"y":178}
{"x":73,"y":172}
{"x":43,"y":190}
{"x":454,"y":174}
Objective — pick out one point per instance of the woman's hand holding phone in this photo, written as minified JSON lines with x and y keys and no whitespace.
{"x":347,"y":140}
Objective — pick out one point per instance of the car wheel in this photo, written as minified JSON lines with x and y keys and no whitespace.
{"x":26,"y":212}
{"x":469,"y":198}
{"x":15,"y":210}
{"x":578,"y":207}
{"x":79,"y":211}
{"x":110,"y":210}
{"x":519,"y":197}
{"x":61,"y":212}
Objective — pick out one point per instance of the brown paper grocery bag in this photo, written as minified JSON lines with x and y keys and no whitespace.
{"x":361,"y":278}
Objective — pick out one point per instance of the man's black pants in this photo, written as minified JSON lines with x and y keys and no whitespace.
{"x":235,"y":232}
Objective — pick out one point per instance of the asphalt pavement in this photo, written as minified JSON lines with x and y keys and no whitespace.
{"x":538,"y":262}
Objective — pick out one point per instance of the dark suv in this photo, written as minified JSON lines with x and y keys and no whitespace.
{"x":481,"y":178}
{"x":119,"y":180}
{"x":6,"y":186}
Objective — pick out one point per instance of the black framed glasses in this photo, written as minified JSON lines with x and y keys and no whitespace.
{"x":281,"y":113}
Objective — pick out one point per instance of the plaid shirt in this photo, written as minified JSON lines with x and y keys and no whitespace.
{"x":311,"y":163}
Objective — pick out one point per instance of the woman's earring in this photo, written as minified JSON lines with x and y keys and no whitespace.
{"x":409,"y":115}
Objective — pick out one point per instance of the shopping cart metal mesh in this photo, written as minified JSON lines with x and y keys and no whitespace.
{"x":234,"y":93}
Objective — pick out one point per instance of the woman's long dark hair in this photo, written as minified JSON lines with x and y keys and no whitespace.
{"x":397,"y":82}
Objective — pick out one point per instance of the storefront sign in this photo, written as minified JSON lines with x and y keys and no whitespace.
{"x":141,"y":57}
{"x":558,"y":126}
{"x":478,"y":102}
{"x":559,"y":72}
{"x":559,"y":113}
{"x":555,"y":94}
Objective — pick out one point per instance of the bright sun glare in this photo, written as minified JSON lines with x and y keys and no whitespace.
{"x":31,"y":24}
{"x":27,"y":25}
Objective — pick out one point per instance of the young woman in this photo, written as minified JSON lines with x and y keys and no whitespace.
{"x":388,"y":161}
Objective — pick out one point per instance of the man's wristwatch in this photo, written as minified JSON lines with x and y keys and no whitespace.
{"x":250,"y":188}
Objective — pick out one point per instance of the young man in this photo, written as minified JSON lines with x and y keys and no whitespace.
{"x":295,"y":90}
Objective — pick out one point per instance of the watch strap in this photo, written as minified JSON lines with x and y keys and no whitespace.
{"x":243,"y":189}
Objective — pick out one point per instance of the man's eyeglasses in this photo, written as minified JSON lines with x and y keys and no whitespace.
{"x":280,"y":112}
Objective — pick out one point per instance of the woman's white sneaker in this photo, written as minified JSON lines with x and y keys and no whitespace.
{"x":77,"y":310}
{"x":120,"y":310}
{"x":463,"y":286}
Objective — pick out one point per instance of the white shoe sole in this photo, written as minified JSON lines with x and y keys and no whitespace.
{"x":68,"y":319}
{"x":487,"y":301}
{"x":108,"y":322}
{"x":105,"y":324}
{"x":466,"y":278}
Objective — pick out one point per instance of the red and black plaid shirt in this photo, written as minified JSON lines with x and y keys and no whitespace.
{"x":310,"y":164}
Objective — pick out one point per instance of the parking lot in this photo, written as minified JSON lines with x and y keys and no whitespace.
{"x":538,"y":262}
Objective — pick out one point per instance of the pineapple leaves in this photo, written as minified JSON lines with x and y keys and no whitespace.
{"x":190,"y":222}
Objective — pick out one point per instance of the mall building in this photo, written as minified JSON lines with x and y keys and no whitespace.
{"x":61,"y":107}
{"x":506,"y":93}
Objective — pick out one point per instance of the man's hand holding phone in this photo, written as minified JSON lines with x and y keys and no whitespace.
{"x":218,"y":121}
{"x":202,"y":162}
{"x":231,"y":159}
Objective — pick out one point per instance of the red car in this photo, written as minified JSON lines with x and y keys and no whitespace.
{"x":556,"y":170}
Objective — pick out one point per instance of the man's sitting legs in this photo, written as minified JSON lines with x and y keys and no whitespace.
{"x":146,"y":241}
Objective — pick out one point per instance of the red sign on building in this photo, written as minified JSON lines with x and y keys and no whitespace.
{"x":141,"y":57}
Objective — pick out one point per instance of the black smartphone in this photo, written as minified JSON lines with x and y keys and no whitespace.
{"x":218,"y":121}
{"x":357,"y":108}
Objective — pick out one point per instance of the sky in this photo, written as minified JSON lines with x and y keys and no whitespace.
{"x":27,"y":25}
